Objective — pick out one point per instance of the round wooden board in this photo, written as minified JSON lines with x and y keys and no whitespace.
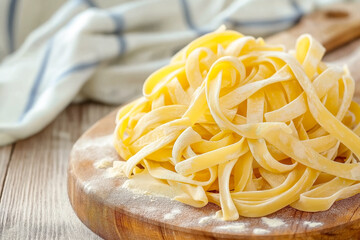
{"x":113,"y":212}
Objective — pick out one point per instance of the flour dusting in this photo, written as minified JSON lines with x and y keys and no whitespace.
{"x":172,"y":214}
{"x":207,"y":219}
{"x":236,"y":227}
{"x":151,"y":209}
{"x":273,"y":222}
{"x":117,"y":169}
{"x":260,"y":231}
{"x":145,"y":184}
{"x":312,"y":224}
{"x":103,"y":163}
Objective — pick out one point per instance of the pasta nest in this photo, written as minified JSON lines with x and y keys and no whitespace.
{"x":245,"y":125}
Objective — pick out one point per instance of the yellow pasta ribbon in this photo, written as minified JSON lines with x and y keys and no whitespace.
{"x":245,"y":125}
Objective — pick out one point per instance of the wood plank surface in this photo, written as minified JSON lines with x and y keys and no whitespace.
{"x":5,"y":155}
{"x":34,"y":203}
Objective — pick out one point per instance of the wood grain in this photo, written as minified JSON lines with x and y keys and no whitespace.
{"x":114,"y":212}
{"x":34,"y":203}
{"x":333,"y":26}
{"x":5,"y":156}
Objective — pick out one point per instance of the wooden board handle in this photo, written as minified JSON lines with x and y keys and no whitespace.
{"x":333,"y":26}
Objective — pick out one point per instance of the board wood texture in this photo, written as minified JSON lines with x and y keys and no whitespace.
{"x":113,"y":212}
{"x":333,"y":26}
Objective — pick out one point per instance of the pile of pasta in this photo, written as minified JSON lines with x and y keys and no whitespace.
{"x":247,"y":126}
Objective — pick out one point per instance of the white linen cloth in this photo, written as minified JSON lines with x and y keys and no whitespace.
{"x":104,"y":50}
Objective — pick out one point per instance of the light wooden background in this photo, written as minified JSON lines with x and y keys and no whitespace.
{"x":33,"y":195}
{"x":33,"y":192}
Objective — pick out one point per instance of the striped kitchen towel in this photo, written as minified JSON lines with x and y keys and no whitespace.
{"x":104,"y":50}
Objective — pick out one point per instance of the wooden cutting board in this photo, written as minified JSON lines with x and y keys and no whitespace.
{"x":114,"y":212}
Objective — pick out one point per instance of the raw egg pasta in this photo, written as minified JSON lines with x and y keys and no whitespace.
{"x":245,"y":125}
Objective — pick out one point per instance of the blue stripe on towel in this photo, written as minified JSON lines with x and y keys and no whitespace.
{"x":122,"y":45}
{"x":119,"y":25}
{"x":188,"y":19}
{"x":119,"y":29}
{"x":38,"y":79}
{"x":90,"y":3}
{"x":297,"y":8}
{"x":261,"y":23}
{"x":10,"y":24}
{"x":76,"y":68}
{"x":187,"y":16}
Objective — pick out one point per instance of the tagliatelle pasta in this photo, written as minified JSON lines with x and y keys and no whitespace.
{"x":245,"y":125}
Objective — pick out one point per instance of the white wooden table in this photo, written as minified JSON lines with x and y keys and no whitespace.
{"x":33,"y":192}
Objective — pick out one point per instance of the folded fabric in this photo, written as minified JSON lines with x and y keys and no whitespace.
{"x":85,"y":51}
